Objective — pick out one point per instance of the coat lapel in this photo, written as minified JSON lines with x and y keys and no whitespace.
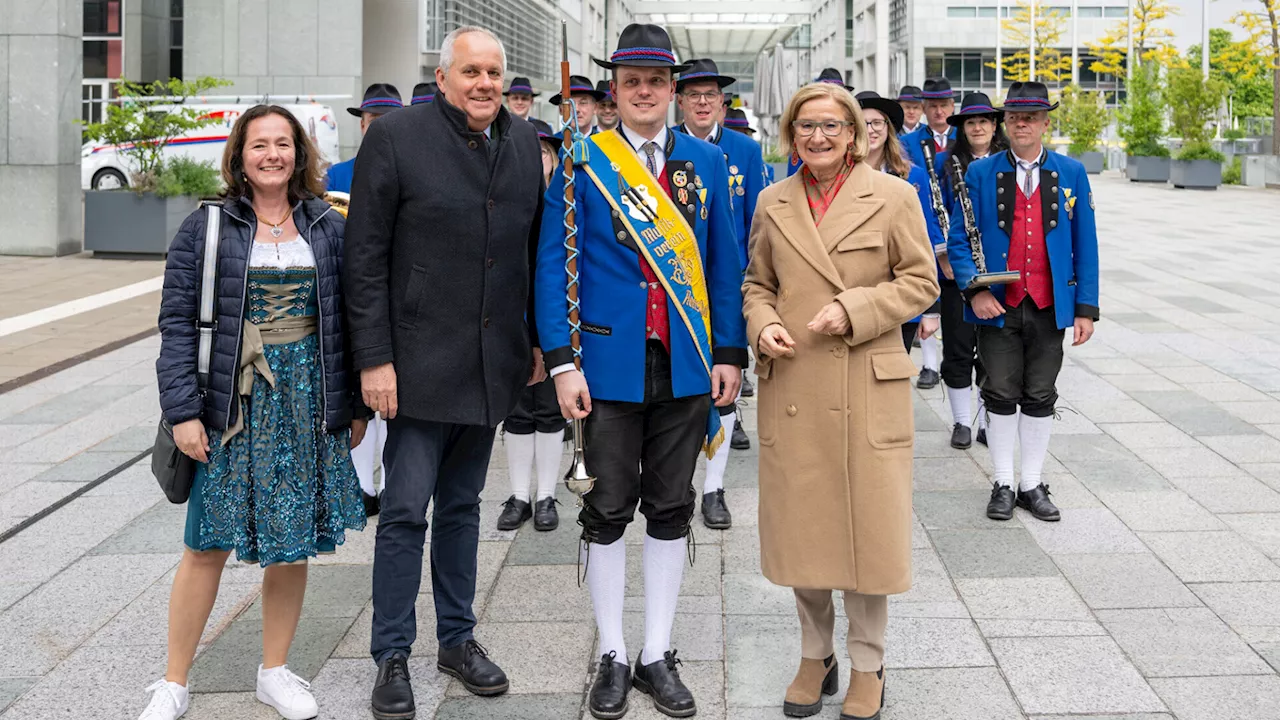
{"x":791,"y":213}
{"x":852,"y":208}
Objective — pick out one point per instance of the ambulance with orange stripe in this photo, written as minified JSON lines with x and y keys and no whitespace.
{"x":105,"y":167}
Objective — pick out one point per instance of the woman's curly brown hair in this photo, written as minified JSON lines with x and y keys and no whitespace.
{"x":306,"y":181}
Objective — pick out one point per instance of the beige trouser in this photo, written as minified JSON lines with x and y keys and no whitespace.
{"x":868,"y":616}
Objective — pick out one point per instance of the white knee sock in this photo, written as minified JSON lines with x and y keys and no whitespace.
{"x":959,"y":399}
{"x":1033,"y":436}
{"x":1002,"y":435}
{"x":607,"y":581}
{"x":982,"y":412}
{"x":550,"y":448}
{"x":365,"y":456}
{"x":663,"y":572}
{"x":715,"y":468}
{"x":929,"y":352}
{"x":519,"y":463}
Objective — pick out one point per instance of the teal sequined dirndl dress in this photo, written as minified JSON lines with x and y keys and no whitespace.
{"x":280,"y":488}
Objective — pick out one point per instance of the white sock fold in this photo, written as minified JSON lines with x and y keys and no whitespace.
{"x":663,"y":573}
{"x":1033,"y":436}
{"x":549,"y":449}
{"x":715,"y":467}
{"x":960,"y":405}
{"x":519,"y":463}
{"x":607,"y":582}
{"x":929,"y":352}
{"x":1002,"y":436}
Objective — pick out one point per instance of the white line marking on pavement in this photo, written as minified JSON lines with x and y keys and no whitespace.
{"x":9,"y":326}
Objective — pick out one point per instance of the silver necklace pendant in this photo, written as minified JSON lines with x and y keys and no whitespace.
{"x":276,"y":231}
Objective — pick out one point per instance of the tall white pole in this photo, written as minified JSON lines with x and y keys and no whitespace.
{"x":1204,"y":39}
{"x":1075,"y":42}
{"x":1129,"y":59}
{"x":999,"y":53}
{"x":1031,"y":75}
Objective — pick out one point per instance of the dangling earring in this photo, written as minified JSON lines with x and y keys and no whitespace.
{"x":795,"y":157}
{"x":848,"y":156}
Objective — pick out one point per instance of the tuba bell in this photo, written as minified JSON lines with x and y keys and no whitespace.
{"x":340,"y":201}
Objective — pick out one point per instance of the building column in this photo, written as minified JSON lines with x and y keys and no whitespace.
{"x":882,"y":49}
{"x":41,"y":66}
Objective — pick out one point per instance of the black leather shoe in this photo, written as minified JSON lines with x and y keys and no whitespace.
{"x":608,"y":698}
{"x":1036,"y":501}
{"x":372,"y":505}
{"x":981,"y":437}
{"x":392,"y":691}
{"x":1000,"y":507}
{"x":470,"y":664}
{"x":929,"y":378}
{"x":545,"y":516}
{"x":661,"y":681}
{"x":715,"y":513}
{"x":514,"y":513}
{"x":748,"y":390}
{"x":961,"y":437}
{"x":739,"y":439}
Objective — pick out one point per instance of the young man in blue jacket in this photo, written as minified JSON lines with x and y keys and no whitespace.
{"x":1034,"y":212}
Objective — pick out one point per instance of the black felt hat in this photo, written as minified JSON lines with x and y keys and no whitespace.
{"x":1027,"y":97}
{"x":545,"y":133}
{"x":703,"y":70}
{"x":522,"y":85}
{"x":938,"y":88}
{"x":379,"y":98}
{"x":734,"y":118}
{"x":579,"y":85}
{"x":975,"y":104}
{"x":643,"y":45}
{"x":603,"y":87}
{"x":871,"y":100}
{"x":910,"y":93}
{"x":832,"y":76}
{"x":424,"y":92}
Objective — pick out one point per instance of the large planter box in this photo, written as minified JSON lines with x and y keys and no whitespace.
{"x":1146,"y":168}
{"x":123,"y":222}
{"x":1092,"y":162}
{"x":1195,"y":174}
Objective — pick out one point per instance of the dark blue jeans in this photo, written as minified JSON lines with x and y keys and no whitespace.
{"x":442,"y":465}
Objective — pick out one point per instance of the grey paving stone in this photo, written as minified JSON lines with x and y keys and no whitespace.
{"x":337,"y":591}
{"x":1115,"y":366}
{"x":998,"y":628}
{"x":546,"y":592}
{"x":1144,"y":383}
{"x":1243,"y":605}
{"x":763,"y":653}
{"x":1127,"y":716}
{"x":156,"y":531}
{"x":538,"y":657}
{"x":1148,"y":435}
{"x":929,"y":580}
{"x":954,"y":510}
{"x":703,"y":578}
{"x":1181,"y":642}
{"x":1237,"y":494}
{"x":142,"y":621}
{"x":1040,"y":598}
{"x":85,"y":467}
{"x":12,"y":435}
{"x":934,"y":643}
{"x":1089,"y":449}
{"x":129,"y":440}
{"x":1085,"y":530}
{"x":1229,"y":391}
{"x":1193,"y":414}
{"x":1270,"y":651}
{"x":70,"y":406}
{"x":953,"y":473}
{"x":1262,"y":530}
{"x":93,"y":683}
{"x":1068,"y":493}
{"x":753,"y":594}
{"x":1268,"y":473}
{"x":933,"y":445}
{"x":1073,"y":675}
{"x":945,"y":694}
{"x":741,"y":550}
{"x":1196,"y":304}
{"x":12,"y":688}
{"x":1255,"y":412}
{"x":1160,"y":511}
{"x":1187,"y":462}
{"x":697,"y":637}
{"x":13,"y":474}
{"x":512,"y":707}
{"x":1125,"y":581}
{"x":1241,"y":449}
{"x":997,"y":552}
{"x":230,"y":663}
{"x":32,"y":497}
{"x":1115,"y":411}
{"x":242,"y":706}
{"x":1209,"y":698}
{"x":1211,"y":557}
{"x":1117,"y":476}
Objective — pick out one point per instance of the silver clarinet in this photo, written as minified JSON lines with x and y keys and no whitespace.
{"x":983,"y":278}
{"x":935,"y":191}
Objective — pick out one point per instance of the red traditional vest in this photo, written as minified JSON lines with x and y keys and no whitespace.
{"x":656,"y":322}
{"x":1029,"y":254}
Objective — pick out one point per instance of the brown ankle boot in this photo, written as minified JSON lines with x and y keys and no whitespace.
{"x":814,"y":679}
{"x":865,"y":696}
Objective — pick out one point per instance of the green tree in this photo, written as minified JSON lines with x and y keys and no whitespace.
{"x":1140,"y":120}
{"x":1264,"y":31}
{"x":1082,"y":118}
{"x":1244,"y":69}
{"x":147,"y":117}
{"x":1152,"y":41}
{"x":1194,"y":101}
{"x":1050,"y":25}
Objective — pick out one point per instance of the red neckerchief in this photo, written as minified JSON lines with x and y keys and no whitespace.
{"x":820,"y":202}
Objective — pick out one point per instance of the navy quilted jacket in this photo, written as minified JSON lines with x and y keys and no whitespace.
{"x":180,"y":398}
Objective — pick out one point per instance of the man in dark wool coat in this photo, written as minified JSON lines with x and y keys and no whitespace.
{"x":445,"y":209}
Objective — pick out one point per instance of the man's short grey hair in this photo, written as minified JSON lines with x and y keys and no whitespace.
{"x":446,"y":48}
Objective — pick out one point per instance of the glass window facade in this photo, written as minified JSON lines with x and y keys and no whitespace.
{"x":529,"y":29}
{"x":962,"y":11}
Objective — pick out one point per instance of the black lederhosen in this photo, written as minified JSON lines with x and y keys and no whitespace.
{"x":959,"y":340}
{"x":537,"y":409}
{"x":643,"y":452}
{"x":1022,"y":360}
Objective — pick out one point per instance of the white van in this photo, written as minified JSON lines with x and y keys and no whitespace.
{"x":103,"y":167}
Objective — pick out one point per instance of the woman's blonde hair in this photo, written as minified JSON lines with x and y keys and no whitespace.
{"x":858,"y":148}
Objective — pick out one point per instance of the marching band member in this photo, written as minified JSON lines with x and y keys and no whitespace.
{"x":424,"y":92}
{"x":660,"y":272}
{"x":1033,"y":211}
{"x":584,"y":98}
{"x":911,"y":100}
{"x":980,"y":135}
{"x":606,"y":109}
{"x":520,"y":97}
{"x":700,"y":91}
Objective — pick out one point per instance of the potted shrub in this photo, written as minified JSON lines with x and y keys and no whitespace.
{"x":1140,"y":123}
{"x":1082,"y":119}
{"x":144,"y":216}
{"x":1194,"y":101}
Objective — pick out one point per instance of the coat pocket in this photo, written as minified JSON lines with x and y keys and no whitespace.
{"x":890,"y":421}
{"x":413,"y":296}
{"x":861,"y":241}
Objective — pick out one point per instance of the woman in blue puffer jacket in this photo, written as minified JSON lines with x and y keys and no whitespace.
{"x":273,"y":429}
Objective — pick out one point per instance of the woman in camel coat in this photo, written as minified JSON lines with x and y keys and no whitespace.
{"x":840,"y":260}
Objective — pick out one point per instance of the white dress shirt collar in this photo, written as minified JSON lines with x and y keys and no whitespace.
{"x":637,"y":142}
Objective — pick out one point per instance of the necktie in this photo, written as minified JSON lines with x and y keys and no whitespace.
{"x":651,"y":162}
{"x":1028,"y":168}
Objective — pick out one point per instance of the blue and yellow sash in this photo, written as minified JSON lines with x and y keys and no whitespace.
{"x":665,"y":240}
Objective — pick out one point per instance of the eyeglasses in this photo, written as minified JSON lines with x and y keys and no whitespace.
{"x":703,"y":96}
{"x":877,"y":124}
{"x":830,"y":128}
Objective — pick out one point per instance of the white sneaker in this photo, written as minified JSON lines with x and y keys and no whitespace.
{"x":289,"y":694}
{"x":168,"y":701}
